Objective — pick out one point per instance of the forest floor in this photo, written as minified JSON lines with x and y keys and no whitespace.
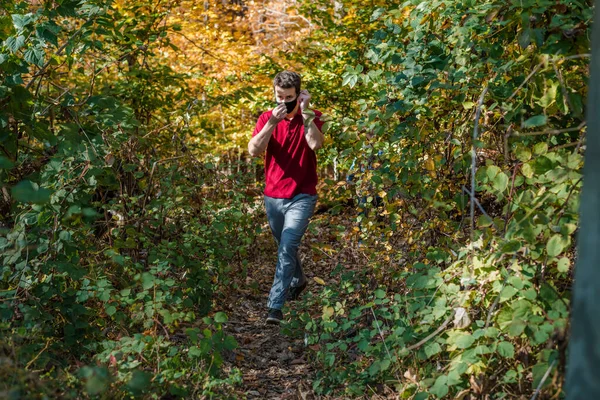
{"x":274,"y":360}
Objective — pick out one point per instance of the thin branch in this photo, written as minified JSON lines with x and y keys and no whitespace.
{"x":432,"y":335}
{"x":567,"y":145}
{"x":383,"y":340}
{"x":200,"y":47}
{"x":563,"y":88}
{"x":576,"y":56}
{"x":551,"y":131}
{"x":537,"y":67}
{"x":39,"y":354}
{"x":493,"y":307}
{"x":508,"y":134}
{"x":474,"y":158}
{"x":566,"y":202}
{"x":474,"y":199}
{"x":42,"y":70}
{"x":290,"y":16}
{"x":539,"y":387}
{"x":152,"y":175}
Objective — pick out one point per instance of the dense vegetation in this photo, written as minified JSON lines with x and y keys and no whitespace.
{"x":128,"y":202}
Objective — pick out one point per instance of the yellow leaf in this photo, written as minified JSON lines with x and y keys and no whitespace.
{"x":429,"y":165}
{"x":328,"y":312}
{"x":319,"y":280}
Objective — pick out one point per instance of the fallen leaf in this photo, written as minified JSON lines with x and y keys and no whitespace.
{"x":410,"y":375}
{"x":319,"y":280}
{"x":461,"y":318}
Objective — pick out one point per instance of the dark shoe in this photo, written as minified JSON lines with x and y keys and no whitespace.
{"x":274,"y":316}
{"x":295,"y":291}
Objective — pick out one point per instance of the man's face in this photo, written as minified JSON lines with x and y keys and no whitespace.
{"x":284,"y":95}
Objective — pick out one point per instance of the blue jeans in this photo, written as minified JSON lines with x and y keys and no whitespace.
{"x":288,"y":219}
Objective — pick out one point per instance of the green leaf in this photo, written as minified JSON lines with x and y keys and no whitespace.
{"x":556,"y":245}
{"x":563,"y":265}
{"x":540,"y":148}
{"x":506,"y":349}
{"x":380,"y":294}
{"x":46,"y":32}
{"x":230,"y":343}
{"x":147,"y":280}
{"x":14,"y":43}
{"x":30,"y":192}
{"x":110,"y":310}
{"x":507,"y":293}
{"x":484,"y":221}
{"x":532,"y":122}
{"x":194,"y":352}
{"x":374,"y":368}
{"x":491,"y":171}
{"x":432,"y":349}
{"x":523,"y":154}
{"x":500,"y":182}
{"x":3,"y":59}
{"x":516,"y":327}
{"x":97,"y":379}
{"x":550,"y":96}
{"x":440,"y":387}
{"x":511,"y":247}
{"x":527,"y":170}
{"x":220,"y":318}
{"x":139,"y":382}
{"x":21,"y":21}
{"x":5,"y":163}
{"x":516,"y":281}
{"x":463,"y":340}
{"x":525,"y":38}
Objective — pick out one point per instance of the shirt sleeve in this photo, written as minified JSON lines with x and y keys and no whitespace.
{"x":318,"y":121}
{"x":262,"y":121}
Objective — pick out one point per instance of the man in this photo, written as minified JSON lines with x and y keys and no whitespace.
{"x":290,"y":134}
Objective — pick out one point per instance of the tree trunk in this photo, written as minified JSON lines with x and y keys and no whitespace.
{"x":583,"y":366}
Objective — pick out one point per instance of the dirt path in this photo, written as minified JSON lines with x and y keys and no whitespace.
{"x":273,"y":365}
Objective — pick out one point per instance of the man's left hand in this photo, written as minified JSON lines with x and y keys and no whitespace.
{"x":304,"y":100}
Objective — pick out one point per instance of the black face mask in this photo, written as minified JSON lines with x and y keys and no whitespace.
{"x":290,"y":105}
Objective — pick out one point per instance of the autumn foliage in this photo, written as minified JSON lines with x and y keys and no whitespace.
{"x":449,"y":192}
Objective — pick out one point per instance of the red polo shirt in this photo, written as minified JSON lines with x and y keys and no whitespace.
{"x":290,"y":164}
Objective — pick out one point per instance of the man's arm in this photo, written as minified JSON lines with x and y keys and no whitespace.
{"x":258,"y":144}
{"x":312,"y":133}
{"x":314,"y":136}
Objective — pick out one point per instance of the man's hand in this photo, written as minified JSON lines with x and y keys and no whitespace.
{"x":279,"y":113}
{"x":304,"y":100}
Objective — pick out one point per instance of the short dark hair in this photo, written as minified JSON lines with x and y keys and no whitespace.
{"x":288,"y":79}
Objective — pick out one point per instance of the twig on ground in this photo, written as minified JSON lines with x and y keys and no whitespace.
{"x":539,"y":387}
{"x":432,"y":335}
